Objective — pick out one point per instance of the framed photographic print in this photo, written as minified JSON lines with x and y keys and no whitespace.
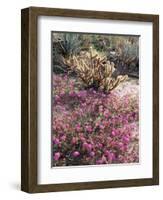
{"x":90,"y":99}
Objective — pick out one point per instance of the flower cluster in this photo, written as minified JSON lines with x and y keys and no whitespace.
{"x":90,"y":127}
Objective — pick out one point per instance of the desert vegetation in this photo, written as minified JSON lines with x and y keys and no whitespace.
{"x":95,"y":99}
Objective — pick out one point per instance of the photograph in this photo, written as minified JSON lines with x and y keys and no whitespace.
{"x":95,"y":99}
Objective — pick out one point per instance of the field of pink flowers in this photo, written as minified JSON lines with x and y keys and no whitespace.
{"x":91,"y":127}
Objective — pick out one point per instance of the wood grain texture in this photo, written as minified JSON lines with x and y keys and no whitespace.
{"x":156,"y":99}
{"x":24,"y":100}
{"x":29,"y":99}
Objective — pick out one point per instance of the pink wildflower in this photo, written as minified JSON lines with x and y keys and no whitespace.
{"x":74,"y":140}
{"x":63,"y":137}
{"x":87,"y":146}
{"x":56,"y":141}
{"x":113,"y":133}
{"x":57,"y":156}
{"x":76,"y":153}
{"x":89,"y":129}
{"x":92,"y":153}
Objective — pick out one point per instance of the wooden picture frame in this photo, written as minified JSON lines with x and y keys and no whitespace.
{"x":29,"y":112}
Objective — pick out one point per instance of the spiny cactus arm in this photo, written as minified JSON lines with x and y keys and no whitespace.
{"x":103,"y":60}
{"x":114,"y":84}
{"x":123,"y":78}
{"x":109,"y":70}
{"x":95,"y":56}
{"x":117,"y":81}
{"x":67,"y":62}
{"x":85,"y":76}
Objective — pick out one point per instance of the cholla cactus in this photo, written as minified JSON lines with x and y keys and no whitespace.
{"x":95,"y":71}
